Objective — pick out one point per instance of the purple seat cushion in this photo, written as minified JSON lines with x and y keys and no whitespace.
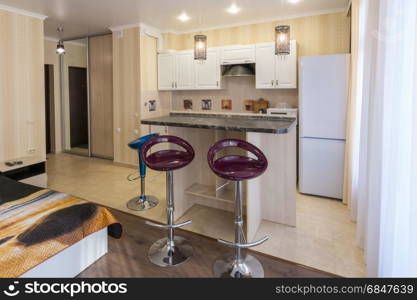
{"x":238,"y":167}
{"x":167,"y":160}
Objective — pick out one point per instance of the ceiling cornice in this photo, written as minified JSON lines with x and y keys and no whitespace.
{"x":22,"y":12}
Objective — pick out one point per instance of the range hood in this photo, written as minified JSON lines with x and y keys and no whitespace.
{"x":239,"y":70}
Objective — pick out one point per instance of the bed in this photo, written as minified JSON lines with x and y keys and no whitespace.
{"x":44,"y":233}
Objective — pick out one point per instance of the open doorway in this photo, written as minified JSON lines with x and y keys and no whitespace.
{"x":49,"y":109}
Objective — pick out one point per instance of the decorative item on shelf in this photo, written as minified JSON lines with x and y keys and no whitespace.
{"x":188,"y":104}
{"x":260,"y":106}
{"x":200,"y":47}
{"x":206,"y":104}
{"x":60,"y":49}
{"x":249,"y":105}
{"x":152,"y":105}
{"x":227,"y":104}
{"x":282,"y":40}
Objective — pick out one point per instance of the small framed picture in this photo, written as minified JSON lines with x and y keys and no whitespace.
{"x":152,"y":105}
{"x":249,"y":105}
{"x":227,"y":104}
{"x":188,"y":104}
{"x":206,"y":104}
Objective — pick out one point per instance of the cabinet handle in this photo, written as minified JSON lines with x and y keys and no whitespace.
{"x":176,"y":84}
{"x":217,"y":83}
{"x":277,"y":82}
{"x":272,"y":83}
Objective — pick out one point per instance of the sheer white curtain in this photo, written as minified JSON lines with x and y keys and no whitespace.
{"x":381,"y":176}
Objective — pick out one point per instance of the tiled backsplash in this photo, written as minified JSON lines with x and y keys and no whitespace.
{"x":237,"y":89}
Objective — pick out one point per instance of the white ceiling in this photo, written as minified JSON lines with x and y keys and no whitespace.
{"x":82,"y":17}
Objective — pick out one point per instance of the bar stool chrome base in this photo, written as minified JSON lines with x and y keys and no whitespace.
{"x":165,"y":255}
{"x":247,"y":267}
{"x":140,"y":204}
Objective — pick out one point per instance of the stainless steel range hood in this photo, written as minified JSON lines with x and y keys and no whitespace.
{"x":240,"y":70}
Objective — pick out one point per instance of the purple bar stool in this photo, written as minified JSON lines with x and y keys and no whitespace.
{"x":172,"y":250}
{"x":238,"y":168}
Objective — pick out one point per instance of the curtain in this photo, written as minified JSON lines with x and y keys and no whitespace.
{"x":381,"y":176}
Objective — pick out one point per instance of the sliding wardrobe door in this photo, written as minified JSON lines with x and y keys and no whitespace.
{"x":101,"y":95}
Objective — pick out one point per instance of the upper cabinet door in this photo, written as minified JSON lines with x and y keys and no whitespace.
{"x":185,"y":71}
{"x":286,"y":69}
{"x":208,"y":72}
{"x":166,"y":71}
{"x":265,"y":66}
{"x":238,"y":55}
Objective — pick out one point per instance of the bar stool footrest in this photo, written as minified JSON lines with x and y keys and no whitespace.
{"x":244,"y":246}
{"x":168,"y":226}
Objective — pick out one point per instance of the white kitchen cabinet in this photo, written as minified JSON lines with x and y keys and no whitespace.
{"x":286,"y":69}
{"x":275,"y":71}
{"x":184,"y":70}
{"x":166,"y":71}
{"x":208,"y":72}
{"x":265,"y":66}
{"x":238,"y":55}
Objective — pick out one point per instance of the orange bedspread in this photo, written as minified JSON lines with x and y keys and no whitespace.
{"x":37,"y":227}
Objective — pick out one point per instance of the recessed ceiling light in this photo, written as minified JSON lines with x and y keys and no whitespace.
{"x":184,"y":17}
{"x":293,"y":1}
{"x":233,"y":9}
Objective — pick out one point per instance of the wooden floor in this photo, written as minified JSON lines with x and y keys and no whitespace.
{"x":127,"y":257}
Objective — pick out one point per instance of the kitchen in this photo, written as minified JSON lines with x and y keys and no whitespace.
{"x":245,"y":80}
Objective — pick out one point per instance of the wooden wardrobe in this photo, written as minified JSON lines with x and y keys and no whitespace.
{"x":101,"y":96}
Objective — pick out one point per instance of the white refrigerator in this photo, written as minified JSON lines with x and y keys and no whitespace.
{"x":323,"y":98}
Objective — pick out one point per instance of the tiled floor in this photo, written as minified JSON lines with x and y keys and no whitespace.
{"x":324,"y":237}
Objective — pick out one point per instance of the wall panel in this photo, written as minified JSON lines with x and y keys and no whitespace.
{"x":22,"y":99}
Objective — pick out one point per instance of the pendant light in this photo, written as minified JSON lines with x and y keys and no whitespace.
{"x":282,"y":40}
{"x":200,"y":47}
{"x":200,"y":44}
{"x":60,"y":49}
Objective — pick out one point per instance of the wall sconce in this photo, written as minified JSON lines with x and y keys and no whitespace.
{"x":200,"y":47}
{"x":282,"y":40}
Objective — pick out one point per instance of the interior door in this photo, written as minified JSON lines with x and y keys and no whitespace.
{"x":286,"y":68}
{"x":184,"y":66}
{"x":101,"y":95}
{"x":78,"y":107}
{"x":166,"y":71}
{"x":207,"y":72}
{"x":265,"y":66}
{"x":47,"y":111}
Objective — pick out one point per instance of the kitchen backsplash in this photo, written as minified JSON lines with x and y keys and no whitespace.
{"x":236,"y":89}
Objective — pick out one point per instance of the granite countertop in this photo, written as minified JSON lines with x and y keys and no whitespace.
{"x":262,"y":124}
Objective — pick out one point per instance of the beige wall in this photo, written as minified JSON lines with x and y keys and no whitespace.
{"x":126,"y":93}
{"x":22,"y":99}
{"x":315,"y":35}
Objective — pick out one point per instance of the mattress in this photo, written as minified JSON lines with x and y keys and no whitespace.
{"x":37,"y":224}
